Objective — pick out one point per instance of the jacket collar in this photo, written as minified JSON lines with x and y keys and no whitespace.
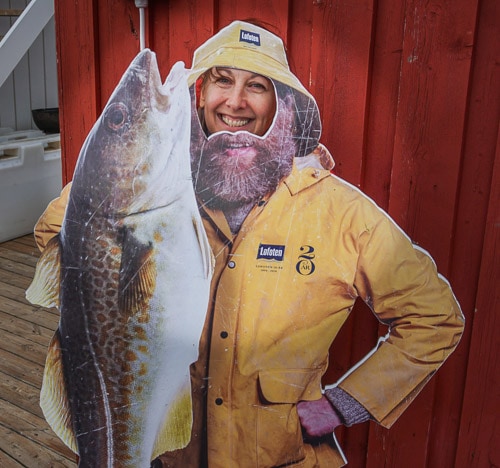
{"x":309,"y":170}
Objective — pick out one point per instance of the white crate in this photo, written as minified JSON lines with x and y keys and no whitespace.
{"x":30,"y":177}
{"x":8,"y":135}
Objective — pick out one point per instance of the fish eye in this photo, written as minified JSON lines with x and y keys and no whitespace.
{"x":116,"y":116}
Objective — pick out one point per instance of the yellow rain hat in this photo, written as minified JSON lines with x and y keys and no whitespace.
{"x":247,"y":47}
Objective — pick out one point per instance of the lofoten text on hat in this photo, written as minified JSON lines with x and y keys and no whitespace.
{"x":250,"y":37}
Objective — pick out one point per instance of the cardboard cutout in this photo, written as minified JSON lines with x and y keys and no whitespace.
{"x":130,"y":273}
{"x":296,"y":247}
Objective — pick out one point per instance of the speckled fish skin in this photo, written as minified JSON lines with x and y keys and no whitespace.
{"x":135,"y":271}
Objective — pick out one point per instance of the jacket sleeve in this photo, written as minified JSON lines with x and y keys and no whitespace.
{"x":400,"y":284}
{"x":50,"y":222}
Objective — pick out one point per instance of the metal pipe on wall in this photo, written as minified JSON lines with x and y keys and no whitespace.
{"x":142,"y":4}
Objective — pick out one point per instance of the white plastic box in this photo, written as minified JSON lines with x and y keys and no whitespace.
{"x":30,"y":177}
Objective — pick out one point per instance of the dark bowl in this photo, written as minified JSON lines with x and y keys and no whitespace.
{"x":46,"y":120}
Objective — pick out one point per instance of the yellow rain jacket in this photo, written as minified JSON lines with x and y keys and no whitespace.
{"x":281,"y":291}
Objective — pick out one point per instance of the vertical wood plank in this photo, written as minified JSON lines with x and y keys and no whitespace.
{"x":22,"y":94}
{"x":7,"y":114}
{"x":273,"y":12}
{"x":436,"y":66}
{"x":22,"y":83}
{"x":36,"y":75}
{"x":50,"y":59}
{"x":480,"y":428}
{"x":299,"y":41}
{"x":480,"y":137}
{"x":159,"y":36}
{"x":190,"y":24}
{"x":341,"y":47}
{"x":383,"y":100}
{"x":426,"y":164}
{"x":78,"y":76}
{"x":118,"y":35}
{"x":4,"y":20}
{"x":7,"y":109}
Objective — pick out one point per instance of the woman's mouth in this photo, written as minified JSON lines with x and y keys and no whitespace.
{"x":234,"y":123}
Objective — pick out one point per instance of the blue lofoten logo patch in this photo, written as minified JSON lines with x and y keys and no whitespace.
{"x":271,"y":252}
{"x":250,"y":37}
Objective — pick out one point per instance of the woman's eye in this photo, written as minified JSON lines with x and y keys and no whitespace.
{"x":259,"y":87}
{"x":223,"y":81}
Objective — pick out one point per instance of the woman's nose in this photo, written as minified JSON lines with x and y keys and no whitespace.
{"x":236,"y":98}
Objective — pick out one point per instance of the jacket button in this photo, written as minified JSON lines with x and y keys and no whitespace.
{"x":219,"y":401}
{"x":231,"y":264}
{"x":224,"y":334}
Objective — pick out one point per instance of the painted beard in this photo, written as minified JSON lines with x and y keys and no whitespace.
{"x":230,"y":170}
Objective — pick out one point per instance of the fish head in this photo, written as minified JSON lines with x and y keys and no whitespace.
{"x":138,"y":150}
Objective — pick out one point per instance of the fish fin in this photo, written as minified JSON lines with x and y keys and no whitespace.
{"x":206,"y":250}
{"x":53,"y":397}
{"x":137,"y":275}
{"x":44,"y":289}
{"x":176,"y":431}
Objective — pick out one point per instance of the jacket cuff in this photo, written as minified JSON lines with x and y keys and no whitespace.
{"x":350,"y":410}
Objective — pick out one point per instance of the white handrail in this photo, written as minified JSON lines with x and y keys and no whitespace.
{"x":22,"y":34}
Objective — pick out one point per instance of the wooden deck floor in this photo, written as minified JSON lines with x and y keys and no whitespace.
{"x":25,"y":331}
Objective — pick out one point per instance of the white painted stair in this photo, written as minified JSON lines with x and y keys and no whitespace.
{"x":23,"y":33}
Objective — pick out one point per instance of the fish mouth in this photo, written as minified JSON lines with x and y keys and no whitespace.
{"x":148,"y":72}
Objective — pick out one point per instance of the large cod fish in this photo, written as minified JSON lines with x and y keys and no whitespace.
{"x":130,"y":273}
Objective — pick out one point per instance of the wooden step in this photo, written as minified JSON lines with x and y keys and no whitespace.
{"x":10,"y":12}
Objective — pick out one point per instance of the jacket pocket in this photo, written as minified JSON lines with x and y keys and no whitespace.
{"x":279,"y":433}
{"x":290,"y":385}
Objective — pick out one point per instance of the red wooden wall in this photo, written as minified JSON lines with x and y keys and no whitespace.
{"x":409,"y":94}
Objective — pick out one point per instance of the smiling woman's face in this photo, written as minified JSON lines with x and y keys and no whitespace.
{"x":234,"y":100}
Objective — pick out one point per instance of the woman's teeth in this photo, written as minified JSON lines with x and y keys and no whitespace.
{"x":234,"y":122}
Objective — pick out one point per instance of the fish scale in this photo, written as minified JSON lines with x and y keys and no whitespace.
{"x":87,"y":359}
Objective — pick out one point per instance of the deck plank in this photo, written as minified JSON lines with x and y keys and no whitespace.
{"x":32,"y":427}
{"x":14,"y":279}
{"x":25,"y":258}
{"x":28,"y":452}
{"x":30,"y":331}
{"x":20,"y":393}
{"x":7,"y":461}
{"x":30,"y":313}
{"x":26,"y":440}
